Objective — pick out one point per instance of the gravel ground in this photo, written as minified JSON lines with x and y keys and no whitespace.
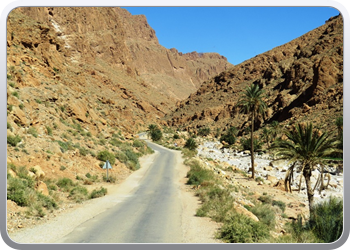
{"x":195,"y":229}
{"x":211,"y":150}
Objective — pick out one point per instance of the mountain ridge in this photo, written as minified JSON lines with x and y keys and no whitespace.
{"x":302,"y":80}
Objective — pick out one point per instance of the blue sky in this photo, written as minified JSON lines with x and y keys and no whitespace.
{"x":238,"y":33}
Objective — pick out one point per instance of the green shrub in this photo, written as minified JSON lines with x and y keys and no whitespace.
{"x":83,"y":151}
{"x":265,"y":214}
{"x":63,"y":146}
{"x":138,"y":144}
{"x":21,"y":106}
{"x":189,"y":153}
{"x":115,"y":142}
{"x":65,"y":184}
{"x":216,"y":203}
{"x":78,"y":194}
{"x":197,"y":175}
{"x":266,"y":199}
{"x":300,"y":232}
{"x":15,"y":94}
{"x":16,"y":191}
{"x":9,"y":126}
{"x":279,"y":204}
{"x":111,"y":178}
{"x":204,"y":131}
{"x":33,"y":132}
{"x":98,"y":193}
{"x":13,"y":140}
{"x":246,"y":144}
{"x":326,"y":220}
{"x":121,"y":156}
{"x":241,"y":229}
{"x":49,"y":130}
{"x":176,"y":136}
{"x":46,"y":201}
{"x":106,"y":155}
{"x":230,"y":136}
{"x":191,"y":144}
{"x":132,"y":156}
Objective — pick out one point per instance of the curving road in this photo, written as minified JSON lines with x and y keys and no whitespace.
{"x":151,"y":214}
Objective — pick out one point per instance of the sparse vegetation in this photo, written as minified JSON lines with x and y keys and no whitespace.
{"x":13,"y":140}
{"x":32,"y":131}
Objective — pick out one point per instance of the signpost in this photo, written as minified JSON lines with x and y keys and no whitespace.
{"x":107,"y":166}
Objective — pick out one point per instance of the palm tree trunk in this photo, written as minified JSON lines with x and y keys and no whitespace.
{"x":252,"y":146}
{"x":310,"y":191}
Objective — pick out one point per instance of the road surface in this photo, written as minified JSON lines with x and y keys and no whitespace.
{"x":151,"y":214}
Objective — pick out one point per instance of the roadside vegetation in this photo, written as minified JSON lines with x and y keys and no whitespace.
{"x":23,"y":181}
{"x":21,"y":189}
{"x":325,"y":221}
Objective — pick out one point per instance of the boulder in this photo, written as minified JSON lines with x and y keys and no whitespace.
{"x":242,"y":210}
{"x":39,"y":172}
{"x":271,"y":179}
{"x":267,"y":168}
{"x":42,"y":188}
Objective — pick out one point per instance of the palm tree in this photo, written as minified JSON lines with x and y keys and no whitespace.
{"x":305,"y":148}
{"x":266,"y":135}
{"x":275,"y":128}
{"x":251,"y":102}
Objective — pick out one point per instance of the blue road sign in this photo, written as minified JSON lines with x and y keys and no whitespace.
{"x":107,"y":165}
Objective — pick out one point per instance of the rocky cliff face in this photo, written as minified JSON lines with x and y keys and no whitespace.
{"x":100,"y":63}
{"x":302,"y":81}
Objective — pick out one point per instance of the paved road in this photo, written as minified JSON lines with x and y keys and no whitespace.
{"x":152,"y":214}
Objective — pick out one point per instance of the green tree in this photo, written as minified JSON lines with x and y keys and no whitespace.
{"x":305,"y":148}
{"x":252,"y":102}
{"x":152,"y":127}
{"x":154,"y":132}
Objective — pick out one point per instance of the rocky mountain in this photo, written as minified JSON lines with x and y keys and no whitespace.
{"x":302,"y":81}
{"x":103,"y":65}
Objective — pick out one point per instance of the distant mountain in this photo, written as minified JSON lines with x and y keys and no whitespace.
{"x":302,"y":81}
